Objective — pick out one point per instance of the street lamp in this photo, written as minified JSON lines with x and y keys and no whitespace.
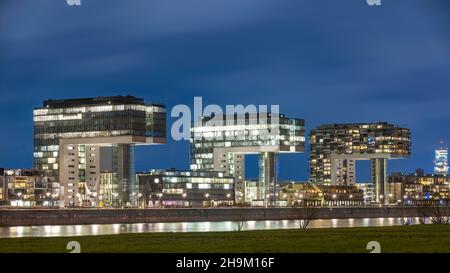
{"x":139,"y":198}
{"x":48,"y":198}
{"x":184,"y":195}
{"x":160,"y":195}
{"x":19,"y":194}
{"x":207,"y":197}
{"x":381,"y":200}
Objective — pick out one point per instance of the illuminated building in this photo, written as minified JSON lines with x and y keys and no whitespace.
{"x":335,"y":148}
{"x":300,"y":194}
{"x":253,"y":193}
{"x":368,"y":189}
{"x":70,"y":134}
{"x":176,"y":188}
{"x":108,"y":189}
{"x":441,"y":160}
{"x":418,"y":188}
{"x":25,"y":188}
{"x":3,"y":188}
{"x":342,"y":195}
{"x":308,"y":194}
{"x":222,"y":147}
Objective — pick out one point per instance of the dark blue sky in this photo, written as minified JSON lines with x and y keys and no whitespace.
{"x":325,"y":61}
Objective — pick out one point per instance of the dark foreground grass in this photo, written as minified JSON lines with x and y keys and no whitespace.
{"x":420,"y":238}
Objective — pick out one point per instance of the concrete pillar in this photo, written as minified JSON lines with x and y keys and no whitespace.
{"x":343,"y":171}
{"x":335,"y":163}
{"x":68,"y":175}
{"x":268,"y":176}
{"x":351,"y":172}
{"x":232,"y":163}
{"x":92,"y":172}
{"x":379,"y":178}
{"x":123,"y":167}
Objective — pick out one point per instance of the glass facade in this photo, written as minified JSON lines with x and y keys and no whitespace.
{"x":108,"y":189}
{"x":94,"y":117}
{"x":247,"y":131}
{"x":221,"y":145}
{"x":123,"y":168}
{"x":441,"y":161}
{"x":85,"y":125}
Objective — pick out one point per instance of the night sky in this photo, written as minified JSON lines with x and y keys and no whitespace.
{"x":324,"y":61}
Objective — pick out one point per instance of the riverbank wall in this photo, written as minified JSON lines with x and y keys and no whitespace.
{"x":37,"y":217}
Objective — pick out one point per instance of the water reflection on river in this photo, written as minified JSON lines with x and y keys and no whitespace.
{"x":80,"y":230}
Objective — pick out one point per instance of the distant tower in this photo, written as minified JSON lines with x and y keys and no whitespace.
{"x":441,"y":160}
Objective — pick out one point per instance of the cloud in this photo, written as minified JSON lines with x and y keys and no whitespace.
{"x":325,"y":61}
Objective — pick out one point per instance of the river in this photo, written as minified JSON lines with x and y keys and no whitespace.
{"x":82,"y":230}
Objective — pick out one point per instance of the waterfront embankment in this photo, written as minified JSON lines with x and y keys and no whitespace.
{"x":36,"y":217}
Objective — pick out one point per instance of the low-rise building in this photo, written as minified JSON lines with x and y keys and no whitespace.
{"x":25,"y":188}
{"x":418,"y":188}
{"x":300,"y":194}
{"x":342,"y":195}
{"x":176,"y":188}
{"x":109,"y":196}
{"x":369,"y":192}
{"x":308,"y":194}
{"x":253,"y":192}
{"x":3,"y":190}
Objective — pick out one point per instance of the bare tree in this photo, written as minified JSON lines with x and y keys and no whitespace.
{"x":424,"y":212}
{"x":440,"y":215}
{"x":306,"y":214}
{"x":240,"y":221}
{"x":405,"y":219}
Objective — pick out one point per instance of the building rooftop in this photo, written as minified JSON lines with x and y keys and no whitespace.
{"x":79,"y":102}
{"x":175,"y":172}
{"x":370,"y":125}
{"x":265,"y":115}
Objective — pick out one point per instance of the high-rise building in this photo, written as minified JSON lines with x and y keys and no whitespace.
{"x":222,"y":146}
{"x":70,"y":134}
{"x":441,"y":160}
{"x":335,"y":148}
